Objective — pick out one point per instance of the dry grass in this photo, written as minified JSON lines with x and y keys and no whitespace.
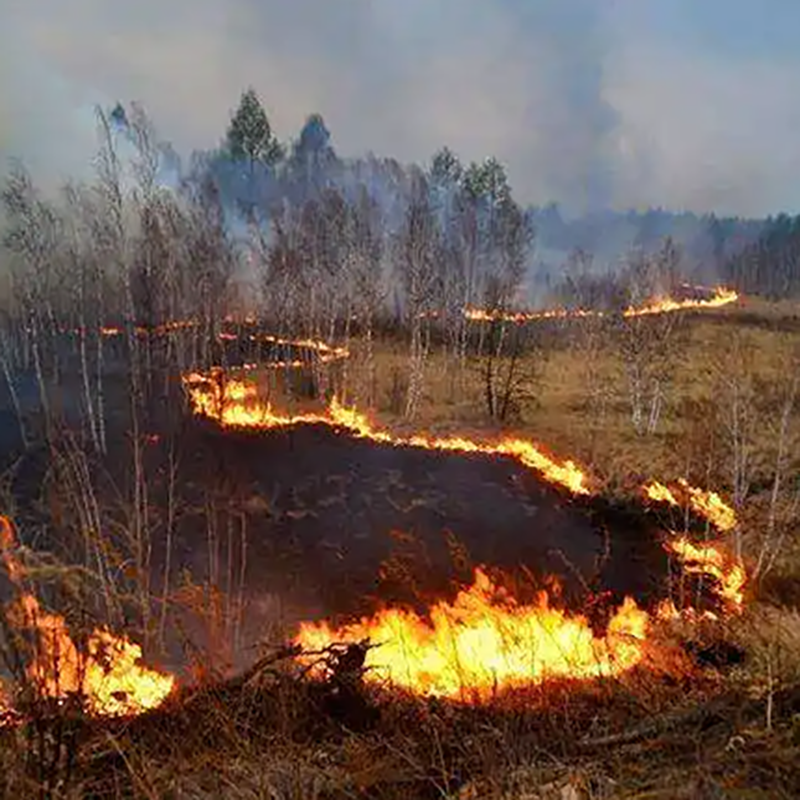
{"x":282,"y":738}
{"x":561,"y":419}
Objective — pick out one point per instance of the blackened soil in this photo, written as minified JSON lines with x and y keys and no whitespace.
{"x":342,"y":524}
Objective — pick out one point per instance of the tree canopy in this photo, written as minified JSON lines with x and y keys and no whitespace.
{"x":249,"y":136}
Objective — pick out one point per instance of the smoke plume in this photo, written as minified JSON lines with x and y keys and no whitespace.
{"x":576,"y":96}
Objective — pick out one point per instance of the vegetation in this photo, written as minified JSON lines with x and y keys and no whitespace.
{"x":383,"y":260}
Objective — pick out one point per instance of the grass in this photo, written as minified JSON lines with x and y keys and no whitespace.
{"x":725,"y":731}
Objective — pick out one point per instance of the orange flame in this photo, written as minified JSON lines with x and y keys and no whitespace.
{"x":108,"y":676}
{"x":485,"y":641}
{"x":234,"y":403}
{"x":707,"y":504}
{"x":710,"y":559}
{"x":722,"y":297}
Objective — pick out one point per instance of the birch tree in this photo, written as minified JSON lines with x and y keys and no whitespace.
{"x":418,"y":247}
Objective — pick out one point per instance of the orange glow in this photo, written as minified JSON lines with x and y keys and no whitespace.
{"x":109,"y":675}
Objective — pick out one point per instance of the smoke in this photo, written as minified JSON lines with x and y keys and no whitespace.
{"x":571,"y":94}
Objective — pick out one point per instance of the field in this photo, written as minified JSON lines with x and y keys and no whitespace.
{"x":720,"y":720}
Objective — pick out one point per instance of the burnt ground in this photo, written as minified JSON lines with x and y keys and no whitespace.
{"x":329,"y":510}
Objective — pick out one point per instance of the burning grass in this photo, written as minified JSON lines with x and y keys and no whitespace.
{"x":106,"y":674}
{"x":719,"y":298}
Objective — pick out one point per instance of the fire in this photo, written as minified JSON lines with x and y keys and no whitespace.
{"x":707,"y":504}
{"x":484,"y":641}
{"x":722,"y":297}
{"x":233,"y":402}
{"x":109,"y":676}
{"x":710,"y":559}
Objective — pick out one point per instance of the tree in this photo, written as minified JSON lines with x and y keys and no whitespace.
{"x":419,"y":247}
{"x":446,"y":169}
{"x":366,"y":246}
{"x":249,"y":135}
{"x":510,"y":239}
{"x":649,"y":345}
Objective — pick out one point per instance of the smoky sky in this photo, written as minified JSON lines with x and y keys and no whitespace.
{"x":584,"y":100}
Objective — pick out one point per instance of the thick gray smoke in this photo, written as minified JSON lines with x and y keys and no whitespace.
{"x":579,"y":97}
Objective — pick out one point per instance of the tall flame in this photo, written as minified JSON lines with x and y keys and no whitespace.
{"x":484,"y":641}
{"x":109,"y":676}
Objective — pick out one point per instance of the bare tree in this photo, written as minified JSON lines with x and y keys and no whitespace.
{"x":419,"y":246}
{"x":511,"y":236}
{"x":648,"y":342}
{"x":366,"y":253}
{"x":34,"y":229}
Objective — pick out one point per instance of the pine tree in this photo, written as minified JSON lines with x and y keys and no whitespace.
{"x":249,"y":135}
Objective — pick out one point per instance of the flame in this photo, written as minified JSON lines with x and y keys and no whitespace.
{"x":705,"y":503}
{"x":108,"y":676}
{"x":711,"y":559}
{"x":722,"y":297}
{"x":234,"y":403}
{"x":484,"y":641}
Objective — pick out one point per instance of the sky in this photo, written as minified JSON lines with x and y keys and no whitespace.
{"x":684,"y":104}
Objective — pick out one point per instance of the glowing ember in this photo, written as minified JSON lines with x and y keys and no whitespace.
{"x":234,"y":402}
{"x":485,"y":641}
{"x":108,"y":676}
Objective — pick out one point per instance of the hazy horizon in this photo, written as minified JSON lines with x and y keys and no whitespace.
{"x":619,"y":104}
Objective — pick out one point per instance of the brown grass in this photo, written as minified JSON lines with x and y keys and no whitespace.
{"x":560,"y":418}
